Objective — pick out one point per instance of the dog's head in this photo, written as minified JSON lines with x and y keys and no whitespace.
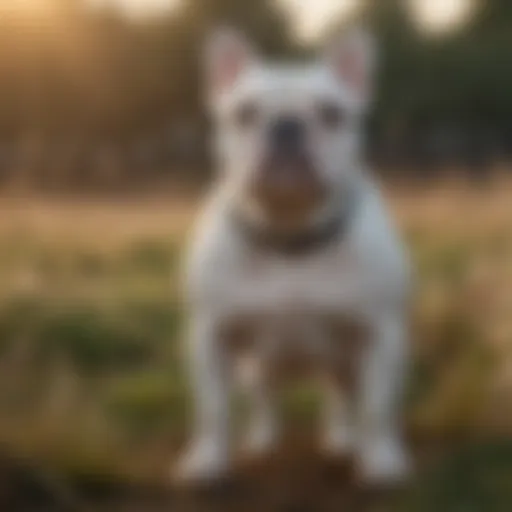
{"x":288,"y":137}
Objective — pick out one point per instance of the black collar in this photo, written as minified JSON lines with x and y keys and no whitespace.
{"x":296,"y":244}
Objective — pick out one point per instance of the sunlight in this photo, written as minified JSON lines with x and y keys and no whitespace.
{"x":310,"y":17}
{"x":27,"y":7}
{"x":313,"y":18}
{"x":139,"y":7}
{"x":441,"y":15}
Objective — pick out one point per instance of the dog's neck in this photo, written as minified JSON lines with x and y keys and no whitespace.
{"x":329,"y":222}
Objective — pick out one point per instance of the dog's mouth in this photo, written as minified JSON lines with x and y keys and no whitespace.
{"x":287,"y":190}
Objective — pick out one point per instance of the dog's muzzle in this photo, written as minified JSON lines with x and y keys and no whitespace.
{"x":286,"y":181}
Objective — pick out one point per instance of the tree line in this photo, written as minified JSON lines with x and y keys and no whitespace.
{"x":87,"y":93}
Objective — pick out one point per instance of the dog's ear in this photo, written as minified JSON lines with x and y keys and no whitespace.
{"x":228,"y":55}
{"x":351,"y":57}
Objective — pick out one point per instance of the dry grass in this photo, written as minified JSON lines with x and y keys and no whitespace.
{"x":451,"y":208}
{"x":100,"y":223}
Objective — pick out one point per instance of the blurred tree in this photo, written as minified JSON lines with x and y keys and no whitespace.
{"x":93,"y":78}
{"x":451,"y":88}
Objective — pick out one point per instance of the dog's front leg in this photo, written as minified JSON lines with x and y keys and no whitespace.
{"x":382,"y":456}
{"x":208,"y":456}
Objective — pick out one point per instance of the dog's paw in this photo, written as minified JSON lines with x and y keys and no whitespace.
{"x":384,"y":463}
{"x":203,"y":463}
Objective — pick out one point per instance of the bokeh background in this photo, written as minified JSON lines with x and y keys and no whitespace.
{"x":104,"y":158}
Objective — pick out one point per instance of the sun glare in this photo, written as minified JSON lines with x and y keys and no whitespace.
{"x":139,"y":7}
{"x":310,"y":17}
{"x":313,"y":17}
{"x":441,"y":15}
{"x":438,"y":16}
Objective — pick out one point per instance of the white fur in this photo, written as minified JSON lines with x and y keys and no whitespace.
{"x":364,"y":274}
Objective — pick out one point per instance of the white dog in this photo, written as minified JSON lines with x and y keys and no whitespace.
{"x":294,"y":244}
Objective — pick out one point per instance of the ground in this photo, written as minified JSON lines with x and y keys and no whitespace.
{"x":93,"y":396}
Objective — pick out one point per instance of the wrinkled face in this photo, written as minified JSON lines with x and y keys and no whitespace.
{"x":288,"y":137}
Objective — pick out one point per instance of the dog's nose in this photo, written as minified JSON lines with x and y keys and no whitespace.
{"x":287,"y":134}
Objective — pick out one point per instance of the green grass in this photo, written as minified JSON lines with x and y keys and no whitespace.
{"x":475,"y":478}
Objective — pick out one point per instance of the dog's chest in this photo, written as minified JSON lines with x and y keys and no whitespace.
{"x":330,"y":282}
{"x":298,"y":311}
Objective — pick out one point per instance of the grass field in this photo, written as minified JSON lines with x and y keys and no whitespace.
{"x":91,"y":384}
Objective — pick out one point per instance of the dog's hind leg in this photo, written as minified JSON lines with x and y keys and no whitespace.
{"x":347,"y":340}
{"x":338,"y":436}
{"x":263,"y":429}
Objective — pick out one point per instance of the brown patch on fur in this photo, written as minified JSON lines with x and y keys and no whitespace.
{"x":238,"y":335}
{"x":338,"y":355}
{"x":288,"y":206}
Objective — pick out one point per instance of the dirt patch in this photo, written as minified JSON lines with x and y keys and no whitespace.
{"x":295,"y":479}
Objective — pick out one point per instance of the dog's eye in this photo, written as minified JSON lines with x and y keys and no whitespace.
{"x":246,"y":115}
{"x":331,"y":116}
